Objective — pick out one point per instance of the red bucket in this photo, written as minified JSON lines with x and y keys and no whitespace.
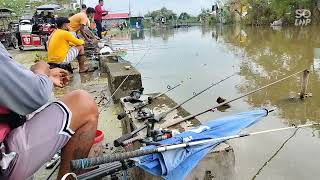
{"x":99,"y":137}
{"x":97,"y":147}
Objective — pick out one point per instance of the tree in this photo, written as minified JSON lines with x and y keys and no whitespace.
{"x":204,"y":15}
{"x":184,"y":16}
{"x":16,"y":5}
{"x":163,"y":12}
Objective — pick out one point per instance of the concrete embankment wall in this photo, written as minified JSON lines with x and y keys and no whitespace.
{"x":218,"y":164}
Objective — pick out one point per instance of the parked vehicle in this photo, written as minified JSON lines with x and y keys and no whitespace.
{"x":8,"y":28}
{"x":35,"y":30}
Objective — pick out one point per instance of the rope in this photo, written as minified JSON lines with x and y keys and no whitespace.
{"x":275,"y":154}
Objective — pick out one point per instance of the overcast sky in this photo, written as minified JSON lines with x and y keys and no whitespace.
{"x":141,"y":7}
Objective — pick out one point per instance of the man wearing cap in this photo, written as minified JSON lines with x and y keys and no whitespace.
{"x":98,"y":17}
{"x":79,"y":21}
{"x":63,"y":47}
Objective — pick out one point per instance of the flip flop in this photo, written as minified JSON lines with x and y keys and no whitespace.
{"x":88,"y":70}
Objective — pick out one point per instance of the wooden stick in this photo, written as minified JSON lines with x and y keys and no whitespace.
{"x":304,"y":83}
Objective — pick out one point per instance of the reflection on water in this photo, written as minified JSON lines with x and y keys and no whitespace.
{"x":269,"y":55}
{"x":200,"y":56}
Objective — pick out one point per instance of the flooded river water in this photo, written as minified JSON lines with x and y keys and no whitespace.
{"x":200,"y":56}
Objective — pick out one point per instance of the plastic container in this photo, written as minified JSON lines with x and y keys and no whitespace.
{"x":97,"y":147}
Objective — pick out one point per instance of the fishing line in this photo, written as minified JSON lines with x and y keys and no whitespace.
{"x":275,"y":154}
{"x":103,"y":97}
{"x":110,"y":98}
{"x":178,"y":121}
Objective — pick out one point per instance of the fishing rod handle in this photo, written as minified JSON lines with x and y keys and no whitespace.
{"x":119,"y":142}
{"x":95,"y":161}
{"x":131,"y":140}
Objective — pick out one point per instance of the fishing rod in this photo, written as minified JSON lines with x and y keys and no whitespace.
{"x":119,"y":141}
{"x":145,"y":103}
{"x":227,"y":102}
{"x":141,"y":104}
{"x":110,"y":98}
{"x":132,"y":140}
{"x":106,"y":170}
{"x":141,"y":49}
{"x":89,"y":162}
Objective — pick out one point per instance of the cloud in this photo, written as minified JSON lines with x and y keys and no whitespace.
{"x":141,"y":7}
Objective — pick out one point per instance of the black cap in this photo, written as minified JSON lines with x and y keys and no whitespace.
{"x":83,"y":6}
{"x":61,"y":20}
{"x":90,"y":10}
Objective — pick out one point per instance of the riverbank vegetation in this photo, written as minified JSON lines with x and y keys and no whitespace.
{"x":249,"y":12}
{"x":261,"y":12}
{"x":21,"y":7}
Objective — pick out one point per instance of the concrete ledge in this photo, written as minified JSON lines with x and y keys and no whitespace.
{"x":104,"y":59}
{"x":117,"y":73}
{"x":219,"y":163}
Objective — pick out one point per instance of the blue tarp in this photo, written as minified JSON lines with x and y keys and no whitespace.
{"x":177,"y":164}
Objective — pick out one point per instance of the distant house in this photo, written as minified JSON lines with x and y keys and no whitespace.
{"x":115,"y":19}
{"x":71,"y":5}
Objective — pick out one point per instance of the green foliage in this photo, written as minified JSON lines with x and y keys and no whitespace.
{"x":213,"y":20}
{"x":184,"y":16}
{"x":163,"y":12}
{"x":16,"y":5}
{"x":204,"y":16}
{"x":265,"y":12}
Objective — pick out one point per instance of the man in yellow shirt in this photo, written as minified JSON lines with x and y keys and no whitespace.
{"x":79,"y":21}
{"x":63,"y":47}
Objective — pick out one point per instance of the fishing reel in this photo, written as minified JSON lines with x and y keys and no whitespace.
{"x":143,"y":104}
{"x":162,"y":134}
{"x":134,"y":96}
{"x":154,"y":136}
{"x":144,"y":114}
{"x":137,"y":93}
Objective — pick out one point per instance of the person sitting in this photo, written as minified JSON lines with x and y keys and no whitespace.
{"x":68,"y":124}
{"x":63,"y":47}
{"x":79,"y":21}
{"x":49,"y":18}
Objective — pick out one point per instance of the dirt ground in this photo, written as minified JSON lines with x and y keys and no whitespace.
{"x":96,"y":84}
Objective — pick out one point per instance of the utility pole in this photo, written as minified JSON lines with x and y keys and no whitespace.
{"x":130,"y":14}
{"x":129,"y":8}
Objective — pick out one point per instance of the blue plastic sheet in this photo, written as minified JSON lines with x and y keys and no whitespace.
{"x":177,"y":164}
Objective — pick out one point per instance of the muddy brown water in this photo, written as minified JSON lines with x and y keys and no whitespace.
{"x":200,"y":56}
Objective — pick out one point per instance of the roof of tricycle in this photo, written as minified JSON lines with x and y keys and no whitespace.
{"x":26,"y":17}
{"x":48,"y":7}
{"x":6,"y":10}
